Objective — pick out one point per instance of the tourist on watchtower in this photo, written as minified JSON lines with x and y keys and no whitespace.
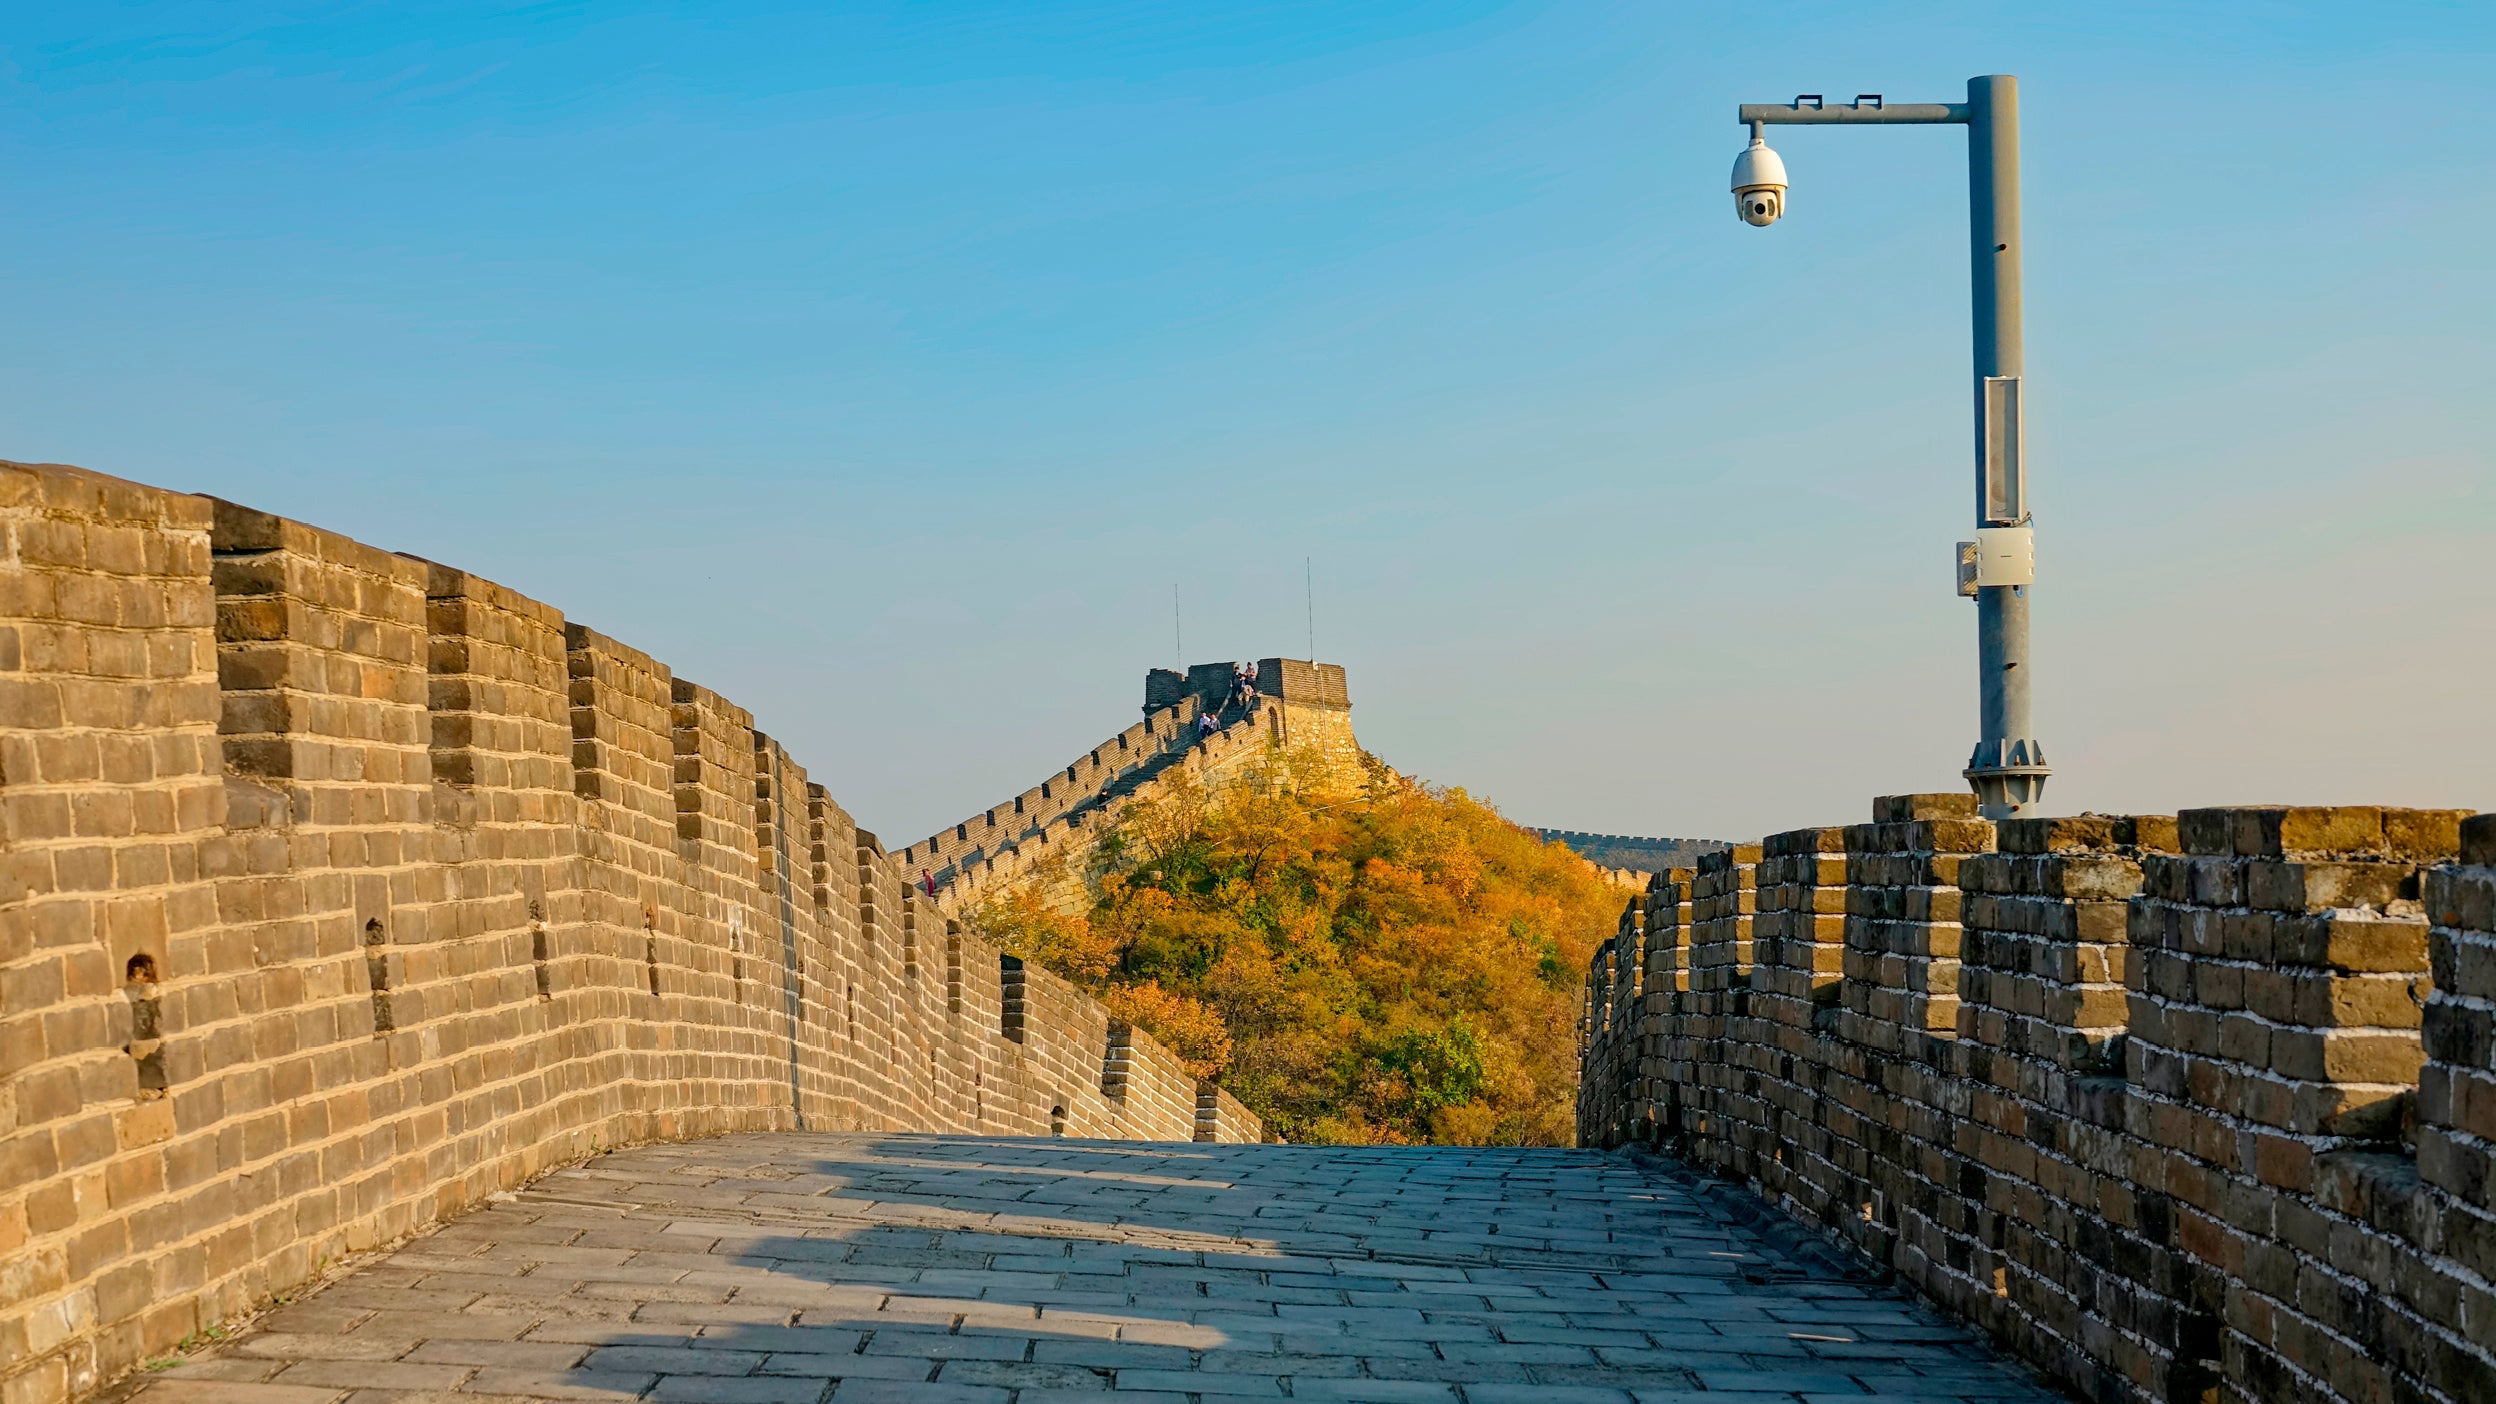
{"x":1206,"y":725}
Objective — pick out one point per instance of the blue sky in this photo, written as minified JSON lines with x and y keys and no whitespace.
{"x":884,"y":366}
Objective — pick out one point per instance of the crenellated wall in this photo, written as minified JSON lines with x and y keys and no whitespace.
{"x":2177,"y":1108}
{"x":1049,"y":832}
{"x":339,"y":889}
{"x":1625,"y":854}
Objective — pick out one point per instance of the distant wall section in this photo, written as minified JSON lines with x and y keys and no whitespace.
{"x":1623,"y":853}
{"x":1299,"y":712}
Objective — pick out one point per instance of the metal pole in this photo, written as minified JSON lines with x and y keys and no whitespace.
{"x":2008,"y":768}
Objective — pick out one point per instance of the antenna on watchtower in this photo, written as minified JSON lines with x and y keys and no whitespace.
{"x":1308,"y":583}
{"x":1178,"y":641}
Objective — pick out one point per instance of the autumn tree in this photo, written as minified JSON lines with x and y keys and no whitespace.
{"x":1395,"y":965}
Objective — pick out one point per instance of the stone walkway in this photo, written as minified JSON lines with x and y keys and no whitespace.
{"x":923,"y":1269}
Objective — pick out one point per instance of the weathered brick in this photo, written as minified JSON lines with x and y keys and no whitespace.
{"x":247,"y":758}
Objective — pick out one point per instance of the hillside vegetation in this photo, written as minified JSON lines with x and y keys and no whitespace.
{"x":1400,"y":965}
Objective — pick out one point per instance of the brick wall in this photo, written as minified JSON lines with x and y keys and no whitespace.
{"x":2185,"y":1108}
{"x":339,"y":889}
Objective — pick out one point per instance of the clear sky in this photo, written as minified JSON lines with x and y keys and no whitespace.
{"x":885,"y":365}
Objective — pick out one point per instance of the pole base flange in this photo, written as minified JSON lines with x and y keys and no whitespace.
{"x":2008,"y":777}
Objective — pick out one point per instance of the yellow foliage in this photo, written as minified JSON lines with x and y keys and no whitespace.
{"x":1052,"y":940}
{"x":1396,"y":966}
{"x":1187,"y":1027}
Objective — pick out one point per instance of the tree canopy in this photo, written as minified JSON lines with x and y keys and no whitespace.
{"x":1397,"y":965}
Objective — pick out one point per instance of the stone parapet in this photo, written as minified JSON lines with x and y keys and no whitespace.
{"x":340,"y":890}
{"x":2200,"y":1107}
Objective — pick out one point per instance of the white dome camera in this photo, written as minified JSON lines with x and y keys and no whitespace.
{"x":1758,"y":183}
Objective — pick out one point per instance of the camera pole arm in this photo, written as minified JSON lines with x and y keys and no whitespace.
{"x":1809,"y":111}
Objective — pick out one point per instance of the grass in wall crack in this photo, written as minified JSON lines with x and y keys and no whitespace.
{"x":1395,"y":965}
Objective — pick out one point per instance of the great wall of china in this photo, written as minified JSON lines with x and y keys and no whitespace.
{"x":2199,"y":1107}
{"x":342,"y":890}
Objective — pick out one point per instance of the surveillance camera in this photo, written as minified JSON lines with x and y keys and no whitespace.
{"x":1758,"y":183}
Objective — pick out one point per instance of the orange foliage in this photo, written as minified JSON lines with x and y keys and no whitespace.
{"x":1187,"y":1027}
{"x":1401,"y":965}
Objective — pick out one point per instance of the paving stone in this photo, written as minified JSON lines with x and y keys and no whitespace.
{"x":1792,"y":1381}
{"x":454,"y":1325}
{"x":1367,"y":1391}
{"x":927,"y":1346}
{"x":432,"y":1396}
{"x":720,"y":1389}
{"x":222,"y":1368}
{"x":1466,"y":1352}
{"x":283,"y":1345}
{"x":373,"y":1374}
{"x":1948,"y":1390}
{"x":1109,"y":1355}
{"x":1197,"y":1382}
{"x":559,"y":1384}
{"x":891,"y":1392}
{"x":1712,"y":1396}
{"x":814,"y":1340}
{"x":536,"y":1355}
{"x":234,"y":1392}
{"x":1020,"y":1374}
{"x":672,"y":1360}
{"x":309,"y":1318}
{"x":856,"y":1367}
{"x":572,"y":1331}
{"x":1278,"y":1363}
